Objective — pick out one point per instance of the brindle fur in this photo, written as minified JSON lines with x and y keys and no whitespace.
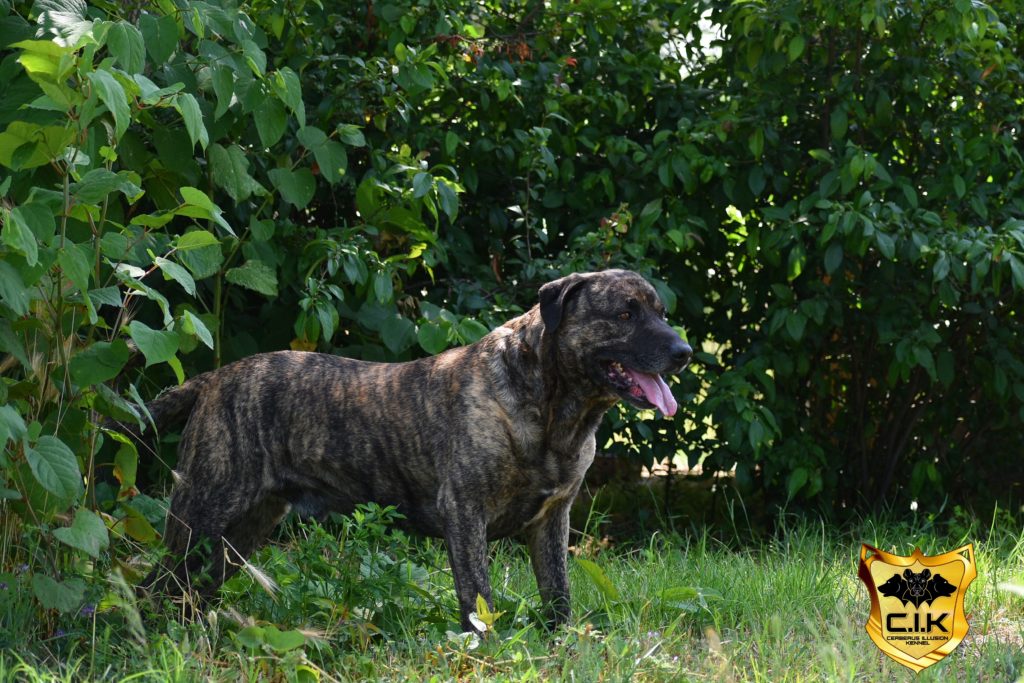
{"x":480,"y":442}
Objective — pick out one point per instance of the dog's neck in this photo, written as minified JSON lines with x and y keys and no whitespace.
{"x":532,"y":355}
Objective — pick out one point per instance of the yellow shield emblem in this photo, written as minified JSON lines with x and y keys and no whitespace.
{"x":917,"y":602}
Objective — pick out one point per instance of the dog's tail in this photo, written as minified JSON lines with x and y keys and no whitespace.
{"x":167,"y":411}
{"x":172,"y":407}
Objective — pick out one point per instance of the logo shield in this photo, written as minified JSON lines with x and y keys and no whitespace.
{"x":917,"y":602}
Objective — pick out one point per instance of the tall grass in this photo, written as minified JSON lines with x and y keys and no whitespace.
{"x":363,"y":603}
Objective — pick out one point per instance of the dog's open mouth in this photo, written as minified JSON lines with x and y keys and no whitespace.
{"x":642,"y":389}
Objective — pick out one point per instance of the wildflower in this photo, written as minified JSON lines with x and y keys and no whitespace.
{"x":59,"y":633}
{"x":3,"y":585}
{"x":88,"y":610}
{"x":22,"y":568}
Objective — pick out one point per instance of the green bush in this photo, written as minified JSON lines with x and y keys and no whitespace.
{"x":829,"y":202}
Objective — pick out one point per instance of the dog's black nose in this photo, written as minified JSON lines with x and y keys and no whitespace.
{"x":681,"y":353}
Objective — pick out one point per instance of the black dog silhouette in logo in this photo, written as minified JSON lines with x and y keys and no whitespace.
{"x":916,"y":588}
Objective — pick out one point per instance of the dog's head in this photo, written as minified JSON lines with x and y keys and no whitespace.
{"x":917,"y":583}
{"x":610,"y":326}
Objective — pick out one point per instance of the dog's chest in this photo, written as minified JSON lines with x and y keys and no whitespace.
{"x":550,"y":483}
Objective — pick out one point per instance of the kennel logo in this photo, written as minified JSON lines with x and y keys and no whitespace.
{"x":917,"y":602}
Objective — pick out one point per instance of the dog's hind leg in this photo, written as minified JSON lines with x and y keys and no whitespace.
{"x":209,"y":540}
{"x":247,"y":533}
{"x":197,"y":520}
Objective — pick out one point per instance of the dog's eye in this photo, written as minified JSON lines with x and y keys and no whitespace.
{"x":625,"y":315}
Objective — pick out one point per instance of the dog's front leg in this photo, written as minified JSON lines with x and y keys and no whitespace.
{"x":548,"y":540}
{"x":465,"y":534}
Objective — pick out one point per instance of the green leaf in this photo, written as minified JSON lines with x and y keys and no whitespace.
{"x":127,"y":46}
{"x":422,"y":183}
{"x":55,"y":468}
{"x":254,"y":275}
{"x":833,"y":257}
{"x":756,"y":142}
{"x":12,"y":426}
{"x":755,"y":434}
{"x":255,"y":58}
{"x":223,"y":79}
{"x":197,"y":204}
{"x":24,"y":145}
{"x":230,"y":171}
{"x":941,"y":268}
{"x":472,"y":330}
{"x":152,"y":220}
{"x":13,"y":291}
{"x":202,"y":261}
{"x":959,"y":186}
{"x":797,"y":480}
{"x":795,"y":324}
{"x":330,"y":155}
{"x":282,"y":641}
{"x":112,"y":94}
{"x":107,"y":296}
{"x":158,"y":346}
{"x":271,"y":121}
{"x":352,"y":135}
{"x":66,"y":19}
{"x":796,"y":48}
{"x":599,"y":579}
{"x":88,"y":533}
{"x":188,"y":107}
{"x":821,"y":155}
{"x":250,"y":637}
{"x":382,"y":286}
{"x":196,"y":240}
{"x":150,"y":93}
{"x":398,"y":333}
{"x":98,"y":362}
{"x":195,"y":197}
{"x":193,"y":325}
{"x":756,"y":181}
{"x":11,"y":343}
{"x":137,"y":526}
{"x":449,"y":199}
{"x":838,"y":123}
{"x":924,"y":358}
{"x":179,"y":371}
{"x":433,"y":337}
{"x":64,"y":596}
{"x":161,"y":36}
{"x":95,"y":185}
{"x":19,"y":236}
{"x":75,"y":265}
{"x":174,"y":271}
{"x":296,"y":187}
{"x":451,"y":143}
{"x":1017,"y":271}
{"x":886,"y":245}
{"x":288,"y":88}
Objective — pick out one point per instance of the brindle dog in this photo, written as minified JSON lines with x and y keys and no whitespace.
{"x":480,"y":442}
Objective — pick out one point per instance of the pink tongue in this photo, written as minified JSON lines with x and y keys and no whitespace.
{"x":656,"y":391}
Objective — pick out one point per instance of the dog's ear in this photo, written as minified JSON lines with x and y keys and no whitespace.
{"x":907,"y":573}
{"x":553,"y":296}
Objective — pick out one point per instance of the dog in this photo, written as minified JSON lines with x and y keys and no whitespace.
{"x":477,"y":443}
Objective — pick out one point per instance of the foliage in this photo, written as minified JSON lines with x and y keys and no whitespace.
{"x":828,"y":196}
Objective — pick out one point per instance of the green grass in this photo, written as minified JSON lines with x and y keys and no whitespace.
{"x":691,"y":605}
